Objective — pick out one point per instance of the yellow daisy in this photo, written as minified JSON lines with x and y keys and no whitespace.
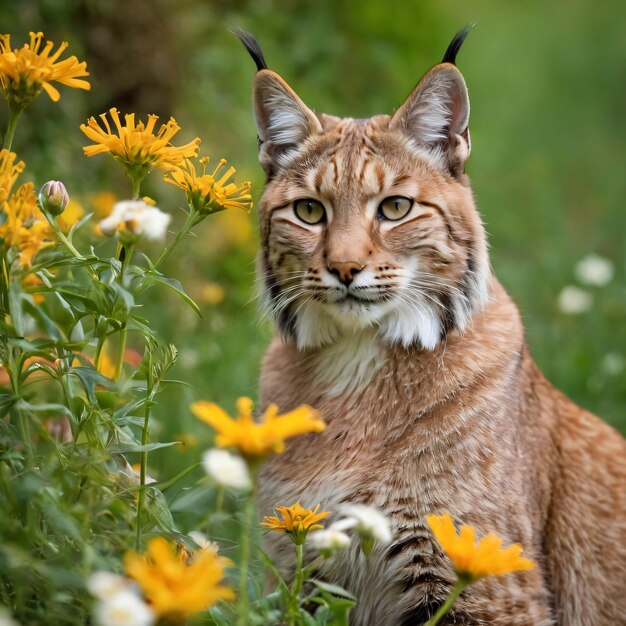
{"x":22,"y":225}
{"x":135,"y":144}
{"x":257,"y":439}
{"x":208,"y":193}
{"x":176,"y":583}
{"x":296,"y":521}
{"x":474,"y":560}
{"x":25,"y":71}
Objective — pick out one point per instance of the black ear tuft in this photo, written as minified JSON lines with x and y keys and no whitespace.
{"x":252,"y":46}
{"x":456,"y":43}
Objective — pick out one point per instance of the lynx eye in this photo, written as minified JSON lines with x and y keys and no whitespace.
{"x":394,"y":207}
{"x":309,"y":211}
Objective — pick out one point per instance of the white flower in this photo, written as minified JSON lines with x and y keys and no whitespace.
{"x":124,"y":609}
{"x":329,"y":540}
{"x":367,"y":521}
{"x":204,"y":543}
{"x":138,"y":218}
{"x":594,"y":270}
{"x":226,"y":469}
{"x":105,"y":585}
{"x":613,"y":363}
{"x":573,"y":300}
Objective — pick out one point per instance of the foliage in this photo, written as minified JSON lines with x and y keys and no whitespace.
{"x":546,"y":166}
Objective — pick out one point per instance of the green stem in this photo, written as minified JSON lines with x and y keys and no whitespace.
{"x":14,"y":116}
{"x":98,"y":357}
{"x":62,"y":238}
{"x":243,"y":606}
{"x":141,"y":499}
{"x":193,"y":218}
{"x":136,"y":180}
{"x":294,"y":599}
{"x":120,"y":353}
{"x":447,"y":605}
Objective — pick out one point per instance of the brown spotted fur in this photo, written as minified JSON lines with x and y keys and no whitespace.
{"x":469,"y":427}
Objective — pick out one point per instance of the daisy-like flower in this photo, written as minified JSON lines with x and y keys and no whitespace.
{"x":104,"y":585}
{"x":257,"y":439}
{"x":124,"y":608}
{"x":296,"y":521}
{"x":132,"y":219}
{"x":473,"y":560}
{"x":330,"y":540}
{"x":594,"y":270}
{"x":371,"y":525}
{"x":176,"y":586}
{"x":209,"y":193}
{"x":135,"y":144}
{"x":227,"y":469}
{"x":25,"y":71}
{"x":574,"y":301}
{"x":22,"y":225}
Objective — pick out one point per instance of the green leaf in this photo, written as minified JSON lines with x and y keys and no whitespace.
{"x":90,"y":378}
{"x":173,"y":284}
{"x":78,"y":225}
{"x":336,"y":590}
{"x":137,"y":447}
{"x":159,"y":511}
{"x":39,"y":314}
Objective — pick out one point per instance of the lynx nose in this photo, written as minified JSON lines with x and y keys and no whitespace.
{"x":345,"y":271}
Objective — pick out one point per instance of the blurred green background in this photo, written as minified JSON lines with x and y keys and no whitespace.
{"x":546,"y":82}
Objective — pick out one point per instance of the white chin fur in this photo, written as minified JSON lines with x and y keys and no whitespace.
{"x":395,"y":322}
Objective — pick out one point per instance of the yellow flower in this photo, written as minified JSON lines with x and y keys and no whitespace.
{"x":25,"y":71}
{"x":209,"y":193}
{"x":102,"y":203}
{"x":212,"y":293}
{"x":22,"y":225}
{"x":296,"y":521}
{"x":9,"y":172}
{"x":474,"y":560}
{"x":257,"y":439}
{"x":176,"y":584}
{"x":135,"y":144}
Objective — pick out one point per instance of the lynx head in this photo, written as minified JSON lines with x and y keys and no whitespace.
{"x":369,"y":223}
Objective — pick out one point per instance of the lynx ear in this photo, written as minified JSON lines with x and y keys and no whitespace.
{"x":283,"y":121}
{"x":436,"y":117}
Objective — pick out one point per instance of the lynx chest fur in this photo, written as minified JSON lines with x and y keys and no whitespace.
{"x":390,"y":322}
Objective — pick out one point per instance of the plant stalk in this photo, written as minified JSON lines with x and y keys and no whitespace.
{"x":14,"y":116}
{"x":193,"y":218}
{"x":296,"y":589}
{"x":143,"y":468}
{"x":447,"y":605}
{"x":243,"y":606}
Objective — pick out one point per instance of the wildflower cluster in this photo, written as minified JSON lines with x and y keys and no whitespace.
{"x":81,"y":370}
{"x":208,"y":193}
{"x":23,"y":227}
{"x":25,"y":71}
{"x":135,"y":144}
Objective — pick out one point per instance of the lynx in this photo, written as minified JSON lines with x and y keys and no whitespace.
{"x":390,"y":321}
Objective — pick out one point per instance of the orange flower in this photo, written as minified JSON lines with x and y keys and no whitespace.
{"x":257,"y":439}
{"x":296,"y":521}
{"x":208,"y":193}
{"x":475,"y":560}
{"x":135,"y":144}
{"x":25,"y":71}
{"x":176,"y":583}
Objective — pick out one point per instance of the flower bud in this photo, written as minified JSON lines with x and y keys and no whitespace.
{"x":53,"y":197}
